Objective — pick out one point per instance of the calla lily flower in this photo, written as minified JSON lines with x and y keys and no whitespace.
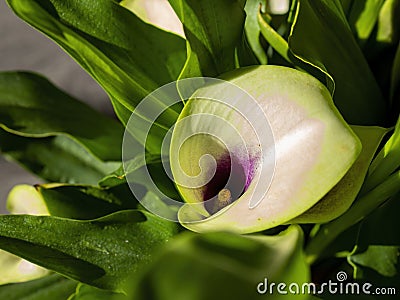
{"x":314,"y":148}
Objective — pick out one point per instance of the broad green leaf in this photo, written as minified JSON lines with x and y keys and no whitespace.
{"x":223,"y":266}
{"x":252,"y":29}
{"x":57,"y":159}
{"x":322,"y":37}
{"x":86,"y":292}
{"x":382,"y":259}
{"x":214,"y":30}
{"x":127,"y":63}
{"x":15,"y":269}
{"x":363,"y":17}
{"x":340,"y":198}
{"x":31,"y":106}
{"x":100,"y":252}
{"x":50,"y":287}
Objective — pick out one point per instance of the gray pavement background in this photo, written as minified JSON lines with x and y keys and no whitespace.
{"x":24,"y":48}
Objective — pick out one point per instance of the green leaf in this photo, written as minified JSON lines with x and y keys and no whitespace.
{"x":386,"y":161}
{"x":99,"y":252}
{"x":252,"y":29}
{"x":322,"y":37}
{"x":127,"y":63}
{"x":342,"y":195}
{"x":223,"y":266}
{"x":86,"y":292}
{"x":57,"y":159}
{"x":31,"y":106}
{"x":382,"y":259}
{"x":275,"y":40}
{"x":363,"y":17}
{"x":214,"y":30}
{"x":49,"y":287}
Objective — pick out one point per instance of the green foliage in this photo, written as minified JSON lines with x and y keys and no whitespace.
{"x":53,"y":134}
{"x":32,"y":107}
{"x":322,"y":37}
{"x":101,"y":252}
{"x":82,"y":202}
{"x":211,"y":44}
{"x":56,"y":159}
{"x":386,"y":161}
{"x":223,"y":266}
{"x":49,"y":287}
{"x":97,"y":236}
{"x":100,"y":38}
{"x":87,"y":292}
{"x":363,"y":17}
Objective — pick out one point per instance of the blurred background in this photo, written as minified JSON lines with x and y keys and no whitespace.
{"x":24,"y":48}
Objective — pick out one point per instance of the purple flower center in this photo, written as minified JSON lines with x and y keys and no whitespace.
{"x":233,"y":174}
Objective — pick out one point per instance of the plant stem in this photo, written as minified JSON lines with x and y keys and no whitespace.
{"x":274,"y":39}
{"x":361,"y":208}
